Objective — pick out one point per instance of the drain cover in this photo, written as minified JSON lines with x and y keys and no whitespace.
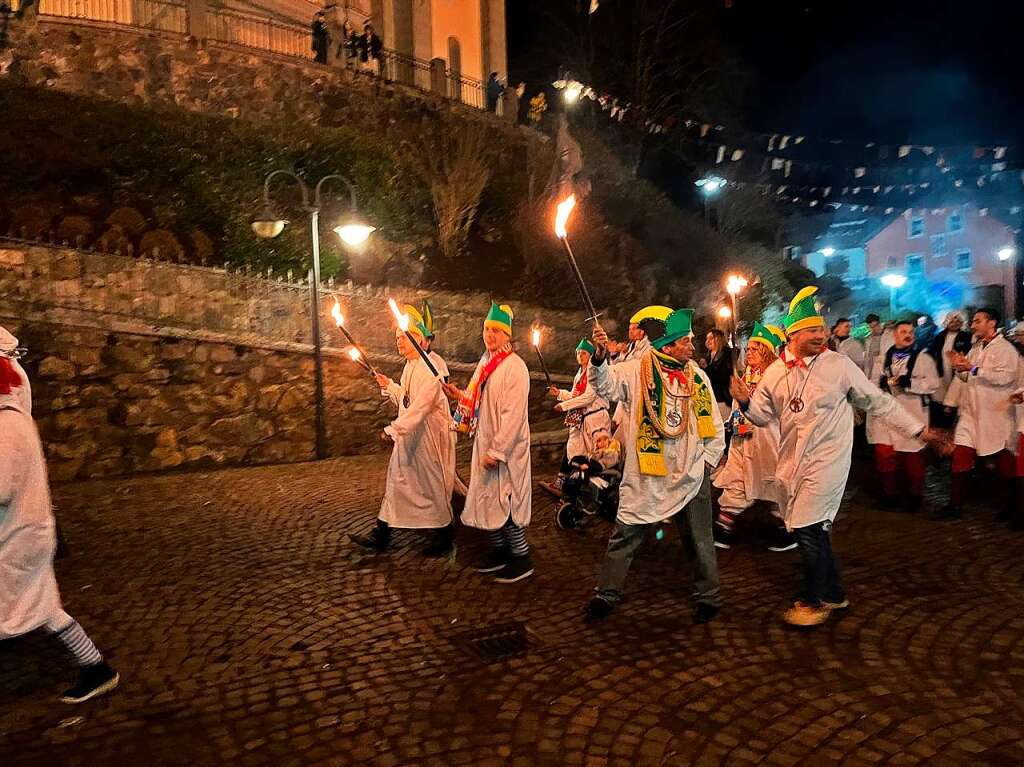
{"x":494,"y":643}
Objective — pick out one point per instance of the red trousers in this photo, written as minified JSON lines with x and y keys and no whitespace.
{"x":894,"y":466}
{"x":1008,"y":466}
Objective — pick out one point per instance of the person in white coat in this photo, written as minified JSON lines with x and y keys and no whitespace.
{"x":984,"y":382}
{"x":672,"y":436}
{"x":10,"y":349}
{"x":421,"y":472}
{"x":910,"y":375}
{"x":812,"y":391}
{"x":586,"y":414}
{"x":29,"y":597}
{"x":749,"y":472}
{"x":495,"y":408}
{"x":845,"y":343}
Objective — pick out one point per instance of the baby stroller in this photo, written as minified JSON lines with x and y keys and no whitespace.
{"x":589,"y":489}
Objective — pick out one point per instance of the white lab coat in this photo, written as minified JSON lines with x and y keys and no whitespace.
{"x":634,"y":352}
{"x":595,"y":417}
{"x":29,"y":597}
{"x":644,"y":498}
{"x":816,"y":443}
{"x":854,"y":349}
{"x":421,"y":473}
{"x":924,"y":382}
{"x":873,"y":430}
{"x":749,"y":471}
{"x":503,"y":433}
{"x":988,"y":420}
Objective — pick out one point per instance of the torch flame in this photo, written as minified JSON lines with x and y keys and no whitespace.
{"x":354,"y":354}
{"x":564,"y":209}
{"x":735,"y":283}
{"x":536,"y":337}
{"x":403,"y":319}
{"x":336,"y":313}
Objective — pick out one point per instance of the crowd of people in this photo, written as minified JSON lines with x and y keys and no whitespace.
{"x":642,"y":414}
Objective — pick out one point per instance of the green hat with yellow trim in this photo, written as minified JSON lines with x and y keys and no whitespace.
{"x":654,"y":312}
{"x":678,"y":325}
{"x":803,"y":313}
{"x":500,"y":318}
{"x":769,"y":335}
{"x":585,"y":346}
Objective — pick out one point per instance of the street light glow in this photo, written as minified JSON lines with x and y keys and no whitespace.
{"x":354,"y":233}
{"x":710,"y":185}
{"x":725,"y":312}
{"x":572,"y":92}
{"x":828,"y":251}
{"x":1005,"y":254}
{"x":735,"y":283}
{"x":893,"y":280}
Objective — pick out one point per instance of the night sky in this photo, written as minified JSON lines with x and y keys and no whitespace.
{"x":936,"y":72}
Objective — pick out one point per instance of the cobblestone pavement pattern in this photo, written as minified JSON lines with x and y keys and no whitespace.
{"x":249,"y":631}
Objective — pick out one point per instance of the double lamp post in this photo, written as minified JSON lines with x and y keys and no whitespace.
{"x":353,"y":231}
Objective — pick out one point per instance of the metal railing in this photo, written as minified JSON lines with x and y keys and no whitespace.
{"x":265,"y":33}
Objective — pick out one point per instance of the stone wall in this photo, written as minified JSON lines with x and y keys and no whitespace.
{"x":140,"y":366}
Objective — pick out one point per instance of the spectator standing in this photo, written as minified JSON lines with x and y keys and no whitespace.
{"x":538,"y":106}
{"x":369,"y":48}
{"x":493,"y":92}
{"x":321,"y":38}
{"x":952,"y":338}
{"x":718,"y":364}
{"x":845,"y":344}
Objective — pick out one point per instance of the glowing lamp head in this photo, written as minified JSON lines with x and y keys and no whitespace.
{"x":725,"y":312}
{"x":710,"y":185}
{"x":354,"y":233}
{"x":828,"y":251}
{"x":735,"y":283}
{"x":893,"y":280}
{"x":572,"y":93}
{"x":339,"y":318}
{"x":562,"y":216}
{"x":1005,"y":254}
{"x":400,"y":317}
{"x":536,"y":337}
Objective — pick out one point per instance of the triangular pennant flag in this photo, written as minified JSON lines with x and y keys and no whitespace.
{"x":737,"y":155}
{"x":783,"y":141}
{"x":858,"y":172}
{"x":904,"y":150}
{"x":789,"y":167}
{"x":721,"y":155}
{"x":999,"y":152}
{"x":798,"y":140}
{"x":771,"y":143}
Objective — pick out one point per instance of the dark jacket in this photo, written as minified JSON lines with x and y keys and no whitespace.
{"x":962,"y":344}
{"x":719,"y":370}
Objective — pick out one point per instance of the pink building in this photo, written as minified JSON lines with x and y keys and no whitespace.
{"x":958,"y":246}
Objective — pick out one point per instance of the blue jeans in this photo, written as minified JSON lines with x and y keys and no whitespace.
{"x":821,"y":571}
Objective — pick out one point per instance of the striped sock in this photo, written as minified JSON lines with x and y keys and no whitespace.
{"x":516,"y":537}
{"x":727,"y":518}
{"x":497,"y":538}
{"x":79,"y":645}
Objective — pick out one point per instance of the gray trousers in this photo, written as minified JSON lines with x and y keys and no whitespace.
{"x":694,"y":523}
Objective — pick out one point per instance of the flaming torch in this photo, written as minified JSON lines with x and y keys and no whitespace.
{"x":564,"y":209}
{"x":403,"y":325}
{"x":536,"y":345}
{"x":356,"y":352}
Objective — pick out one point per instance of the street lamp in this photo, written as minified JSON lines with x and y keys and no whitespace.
{"x":573,"y":91}
{"x":352,"y":230}
{"x":709,"y":186}
{"x":1006,"y":254}
{"x":894,"y":282}
{"x":828,"y":251}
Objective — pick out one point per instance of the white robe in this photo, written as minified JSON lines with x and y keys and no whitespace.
{"x":634,"y":352}
{"x":421,"y":473}
{"x":644,"y":498}
{"x":749,"y":471}
{"x":872,"y":426}
{"x":924,"y":382}
{"x":988,"y":420}
{"x":28,"y":587}
{"x":503,"y":433}
{"x":595,"y":417}
{"x":816,"y":443}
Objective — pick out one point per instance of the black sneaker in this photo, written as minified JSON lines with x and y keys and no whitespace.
{"x":723,"y":537}
{"x":515,"y":569}
{"x":783,"y":540}
{"x":496,"y":560}
{"x":705,"y":613}
{"x":949,"y":512}
{"x":377,"y":540}
{"x":598,"y":608}
{"x":887,"y":503}
{"x":442,"y":544}
{"x":92,"y":681}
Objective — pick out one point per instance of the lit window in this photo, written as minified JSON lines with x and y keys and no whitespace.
{"x":938,"y":244}
{"x":915,"y":265}
{"x":963,"y":260}
{"x":955,"y":223}
{"x":915,"y":227}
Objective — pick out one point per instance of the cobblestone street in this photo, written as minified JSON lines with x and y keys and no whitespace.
{"x":248,"y":630}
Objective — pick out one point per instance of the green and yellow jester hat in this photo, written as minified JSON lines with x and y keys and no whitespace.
{"x":654,"y":312}
{"x":500,"y":318}
{"x":420,"y":323}
{"x":803,"y":313}
{"x":769,"y":335}
{"x":678,"y":325}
